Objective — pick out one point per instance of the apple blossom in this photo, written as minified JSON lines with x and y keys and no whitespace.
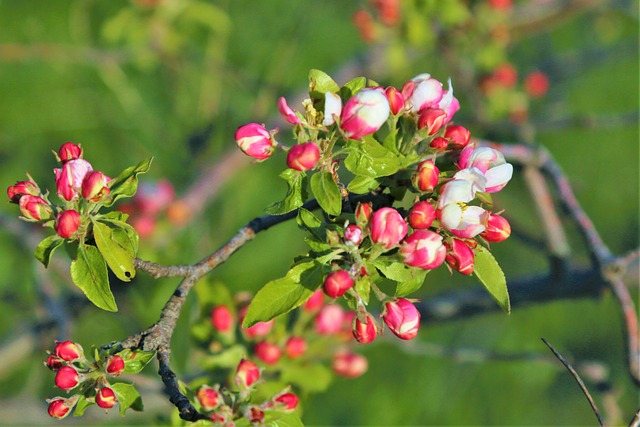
{"x":255,"y":141}
{"x":462,"y":220}
{"x":59,"y":407}
{"x":69,"y":179}
{"x":286,"y":112}
{"x":387,"y":227}
{"x":247,"y":374}
{"x":423,"y":249}
{"x":490,"y":162}
{"x":396,"y":100}
{"x":423,"y":91}
{"x":353,"y":235}
{"x":364,"y":113}
{"x":458,"y":136}
{"x":402,"y":318}
{"x":332,"y":108}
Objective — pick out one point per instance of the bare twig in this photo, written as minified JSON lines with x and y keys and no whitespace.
{"x":578,"y":379}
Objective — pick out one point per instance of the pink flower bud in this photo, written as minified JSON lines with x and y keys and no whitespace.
{"x":395,"y":98}
{"x":458,"y":135}
{"x":255,"y":140}
{"x":402,"y":318}
{"x":421,"y":215}
{"x":35,"y":208}
{"x":387,"y":227}
{"x":254,"y":415}
{"x":364,"y":331}
{"x":315,"y":301}
{"x":67,"y":378}
{"x":268,"y":352}
{"x":439,"y":143}
{"x":69,"y":151}
{"x":53,"y":362}
{"x":286,"y":112}
{"x":425,"y":178}
{"x":106,"y":398}
{"x":259,"y":330}
{"x":425,"y":92}
{"x":94,"y":186}
{"x":59,"y":407}
{"x":295,"y":347}
{"x":431,"y":119}
{"x":22,"y":188}
{"x":69,"y":179}
{"x":114,"y":365}
{"x":247,"y":374}
{"x":67,"y":223}
{"x":423,"y":249}
{"x":208,"y":397}
{"x":303,"y":157}
{"x":364,"y":113}
{"x":69,"y":351}
{"x":221,"y":318}
{"x":337,"y":283}
{"x":363,"y":213}
{"x":536,"y":84}
{"x":349,"y":364}
{"x":353,"y":235}
{"x":459,"y":256}
{"x":498,"y":229}
{"x":505,"y":75}
{"x":223,"y":416}
{"x":286,"y":402}
{"x":329,"y":320}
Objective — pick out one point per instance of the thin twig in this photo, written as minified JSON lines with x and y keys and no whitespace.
{"x":578,"y":379}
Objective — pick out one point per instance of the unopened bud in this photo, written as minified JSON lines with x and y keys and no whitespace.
{"x":458,"y":136}
{"x":329,"y":320}
{"x":423,"y":249}
{"x":402,"y":318}
{"x":387,"y":227}
{"x":59,"y":407}
{"x":365,"y":330}
{"x":286,"y":401}
{"x":69,"y":351}
{"x":498,"y":229}
{"x":106,"y":398}
{"x":35,"y":208}
{"x":67,"y":378}
{"x":221,"y":318}
{"x":395,"y":98}
{"x":421,"y":215}
{"x":426,"y":176}
{"x":353,"y":235}
{"x":69,"y":151}
{"x":255,"y":140}
{"x":431,"y":119}
{"x":67,"y":223}
{"x":337,"y":283}
{"x":459,"y":256}
{"x":94,"y":186}
{"x":364,"y":113}
{"x":114,"y":365}
{"x":22,"y":188}
{"x":315,"y":301}
{"x":268,"y":352}
{"x":349,"y":364}
{"x":295,"y":347}
{"x":247,"y":374}
{"x":209,"y":397}
{"x":303,"y":157}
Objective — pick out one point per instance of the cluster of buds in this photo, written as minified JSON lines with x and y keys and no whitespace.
{"x":89,"y":380}
{"x":224,"y":406}
{"x":411,"y":132}
{"x":80,"y":188}
{"x":318,"y":321}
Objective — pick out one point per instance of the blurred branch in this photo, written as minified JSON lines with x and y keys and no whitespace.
{"x":578,"y":379}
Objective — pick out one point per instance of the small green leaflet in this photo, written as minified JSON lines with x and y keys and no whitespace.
{"x":128,"y":397}
{"x":296,"y":193}
{"x":490,"y":274}
{"x":371,"y":159}
{"x":352,"y":87}
{"x":126,"y":184}
{"x":45,"y":248}
{"x":320,"y":83}
{"x":82,"y":406}
{"x":89,"y":273}
{"x":118,"y":258}
{"x":409,"y":279}
{"x":135,"y":360}
{"x":362,"y":184}
{"x":327,"y":193}
{"x":283,"y":295}
{"x":284,"y":420}
{"x":311,"y":377}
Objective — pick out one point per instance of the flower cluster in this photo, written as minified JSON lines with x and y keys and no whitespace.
{"x":417,"y":195}
{"x":92,"y":382}
{"x":78,"y":185}
{"x":224,"y":406}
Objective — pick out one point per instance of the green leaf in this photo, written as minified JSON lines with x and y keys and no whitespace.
{"x":409,"y":279}
{"x":128,"y":397}
{"x":320,"y":83}
{"x":352,"y":87}
{"x":45,"y":248}
{"x":135,"y":360}
{"x":284,"y":420}
{"x":126,"y":184}
{"x":327,"y":193}
{"x":371,"y":159}
{"x":225,"y":359}
{"x":124,"y":234}
{"x":295,"y":194}
{"x":312,"y":377}
{"x":362,"y":184}
{"x":486,"y":269}
{"x":282,"y":295}
{"x":308,"y":221}
{"x":119,"y":259}
{"x":82,"y":406}
{"x":89,"y":273}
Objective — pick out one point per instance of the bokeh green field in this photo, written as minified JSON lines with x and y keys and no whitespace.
{"x":82,"y":71}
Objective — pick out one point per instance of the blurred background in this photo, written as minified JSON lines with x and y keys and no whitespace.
{"x":173,"y":79}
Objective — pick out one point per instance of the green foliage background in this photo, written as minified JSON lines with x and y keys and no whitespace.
{"x":82,"y":71}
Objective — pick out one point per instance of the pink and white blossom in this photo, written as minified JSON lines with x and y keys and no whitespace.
{"x":332,"y":108}
{"x":364,"y":113}
{"x":462,"y":220}
{"x":423,"y":249}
